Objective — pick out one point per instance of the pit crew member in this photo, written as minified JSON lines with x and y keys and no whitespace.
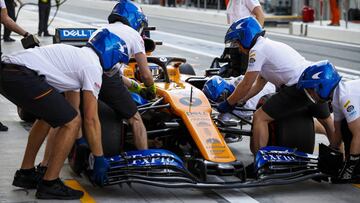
{"x":128,"y":21}
{"x":218,"y":89}
{"x":33,"y":79}
{"x":346,"y":106}
{"x":279,"y":64}
{"x":237,"y":9}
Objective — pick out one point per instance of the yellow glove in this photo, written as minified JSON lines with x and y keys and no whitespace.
{"x":148,"y":92}
{"x":135,"y":87}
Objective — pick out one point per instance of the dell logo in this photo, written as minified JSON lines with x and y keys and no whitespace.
{"x":77,"y":33}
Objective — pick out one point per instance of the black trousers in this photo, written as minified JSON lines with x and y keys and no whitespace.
{"x":44,"y":12}
{"x":114,"y":93}
{"x":11,"y":12}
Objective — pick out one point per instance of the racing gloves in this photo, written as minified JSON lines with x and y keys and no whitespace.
{"x":135,"y":87}
{"x":146,"y":92}
{"x":101,"y":166}
{"x":225,"y":107}
{"x":349,"y":173}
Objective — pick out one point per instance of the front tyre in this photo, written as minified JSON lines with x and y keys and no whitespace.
{"x":295,"y":131}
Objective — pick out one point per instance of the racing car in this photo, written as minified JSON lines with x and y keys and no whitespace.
{"x":190,"y":150}
{"x":193,"y":152}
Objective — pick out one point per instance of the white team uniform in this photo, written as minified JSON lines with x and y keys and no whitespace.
{"x":252,"y":102}
{"x":65,"y":67}
{"x":237,"y":9}
{"x":276,"y":62}
{"x":346,"y":101}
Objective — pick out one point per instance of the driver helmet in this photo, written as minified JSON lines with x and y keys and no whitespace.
{"x":217,"y":89}
{"x":320,"y":76}
{"x":245,"y":31}
{"x":130,"y":14}
{"x":110,"y":48}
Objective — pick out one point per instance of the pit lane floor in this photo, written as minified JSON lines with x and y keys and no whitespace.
{"x":12,"y":144}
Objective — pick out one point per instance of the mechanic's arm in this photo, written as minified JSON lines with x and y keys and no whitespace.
{"x":127,"y":81}
{"x":329,"y":126}
{"x":354,"y":127}
{"x":10,"y":24}
{"x":243,"y":88}
{"x":336,"y":140}
{"x":145,"y":72}
{"x":256,"y":88}
{"x":259,"y":15}
{"x":92,"y":123}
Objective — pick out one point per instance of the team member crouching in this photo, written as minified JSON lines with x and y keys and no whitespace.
{"x":113,"y":92}
{"x":346,"y":106}
{"x":128,"y":21}
{"x":279,"y":64}
{"x":33,"y":79}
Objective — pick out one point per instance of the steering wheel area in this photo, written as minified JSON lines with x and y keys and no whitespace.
{"x":158,"y":67}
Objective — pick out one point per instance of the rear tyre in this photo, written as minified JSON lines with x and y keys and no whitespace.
{"x":187,"y":69}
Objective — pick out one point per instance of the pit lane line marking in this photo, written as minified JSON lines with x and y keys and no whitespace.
{"x":76,"y":185}
{"x":235,"y":195}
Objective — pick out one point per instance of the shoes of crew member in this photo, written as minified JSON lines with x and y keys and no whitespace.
{"x":28,"y":179}
{"x":56,"y":189}
{"x":3,"y":127}
{"x":9,"y":39}
{"x":41,"y":170}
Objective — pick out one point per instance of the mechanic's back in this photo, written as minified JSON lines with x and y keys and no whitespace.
{"x":67,"y":67}
{"x":267,"y":56}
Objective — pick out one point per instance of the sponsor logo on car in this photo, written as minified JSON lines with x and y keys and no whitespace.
{"x":203,"y":124}
{"x":193,"y":102}
{"x":153,"y":158}
{"x":213,"y":141}
{"x":76,"y":33}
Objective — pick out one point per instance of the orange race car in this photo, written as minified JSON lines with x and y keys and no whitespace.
{"x":188,"y":147}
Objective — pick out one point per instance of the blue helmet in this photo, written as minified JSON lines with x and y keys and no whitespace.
{"x":128,"y":13}
{"x":110,"y":49}
{"x":139,"y":100}
{"x":217,"y":89}
{"x":322,"y":77}
{"x":245,"y":30}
